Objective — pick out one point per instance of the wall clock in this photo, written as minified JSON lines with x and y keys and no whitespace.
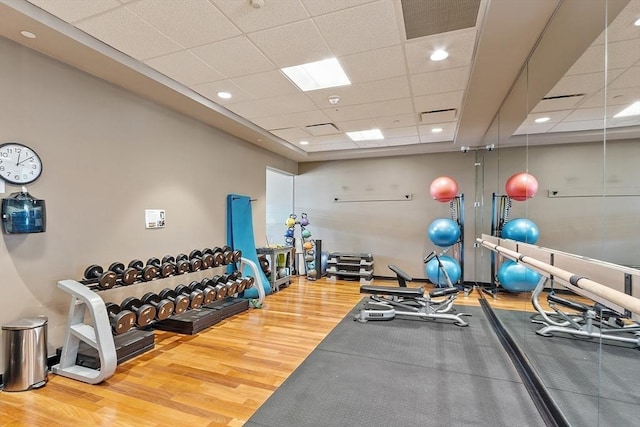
{"x":19,"y":164}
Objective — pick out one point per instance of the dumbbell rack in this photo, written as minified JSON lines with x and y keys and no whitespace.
{"x":350,"y":266}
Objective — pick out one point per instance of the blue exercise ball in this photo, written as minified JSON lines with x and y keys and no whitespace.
{"x":522,"y":230}
{"x":444,"y":232}
{"x":324,"y":261}
{"x":450,"y":265}
{"x":515,"y":277}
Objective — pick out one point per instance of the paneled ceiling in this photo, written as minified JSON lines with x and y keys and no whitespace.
{"x":182,"y":53}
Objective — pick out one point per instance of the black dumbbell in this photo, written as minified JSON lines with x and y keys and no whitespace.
{"x":106,"y":279}
{"x":194,"y":264}
{"x":166,"y":268}
{"x":208,"y":292}
{"x":180,"y":302}
{"x":220,"y":289}
{"x":147,"y":272}
{"x":145,"y":313}
{"x":180,"y":267}
{"x":164,"y":307}
{"x":229,"y":282}
{"x":236,"y":276}
{"x":127,"y":276}
{"x":121,"y":320}
{"x":236,"y":255}
{"x":195,"y":297}
{"x":206,"y":258}
{"x":218,"y":258}
{"x":227,"y":252}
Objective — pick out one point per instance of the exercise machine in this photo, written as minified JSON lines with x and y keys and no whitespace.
{"x":581,"y":320}
{"x":387,"y":302}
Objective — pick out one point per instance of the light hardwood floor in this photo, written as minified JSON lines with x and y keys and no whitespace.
{"x":218,"y":377}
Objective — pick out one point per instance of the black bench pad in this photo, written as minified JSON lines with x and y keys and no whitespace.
{"x":392,"y":290}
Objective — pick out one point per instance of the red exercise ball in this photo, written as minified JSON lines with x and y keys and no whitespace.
{"x":521,"y":186}
{"x":443,"y":189}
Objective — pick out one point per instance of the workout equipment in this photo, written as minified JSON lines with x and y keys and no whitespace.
{"x":219,"y":289}
{"x":145,"y":313}
{"x":444,"y":232}
{"x":521,"y":230}
{"x":180,"y":302}
{"x":106,"y":279}
{"x":194,"y":264}
{"x":166,"y":269}
{"x":240,"y":236}
{"x":121,"y":320}
{"x":206,"y":258}
{"x":147,"y":273}
{"x":387,"y":302}
{"x":442,"y":270}
{"x":164,"y":307}
{"x":521,"y":186}
{"x":515,"y":277}
{"x":195,"y":297}
{"x":443,"y":189}
{"x":127,"y":276}
{"x":180,"y":267}
{"x":218,"y":258}
{"x":208,"y":293}
{"x":311,"y":248}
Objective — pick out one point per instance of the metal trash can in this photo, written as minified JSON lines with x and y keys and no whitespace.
{"x":25,"y":354}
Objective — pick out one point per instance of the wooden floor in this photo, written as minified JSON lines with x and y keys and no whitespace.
{"x":219,"y":377}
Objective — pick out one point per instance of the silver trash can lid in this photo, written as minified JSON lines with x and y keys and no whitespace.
{"x":31,"y":323}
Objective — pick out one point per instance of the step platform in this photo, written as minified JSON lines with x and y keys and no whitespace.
{"x":192,"y":322}
{"x":128,"y":345}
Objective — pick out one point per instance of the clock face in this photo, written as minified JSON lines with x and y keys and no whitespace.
{"x":19,"y":164}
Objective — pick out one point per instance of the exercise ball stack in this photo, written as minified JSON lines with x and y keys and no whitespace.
{"x":443,"y":189}
{"x":521,"y":186}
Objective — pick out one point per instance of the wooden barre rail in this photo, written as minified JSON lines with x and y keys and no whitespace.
{"x":623,"y":300}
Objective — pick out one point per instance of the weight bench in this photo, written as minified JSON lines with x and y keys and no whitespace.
{"x":596,"y":321}
{"x":388,"y":301}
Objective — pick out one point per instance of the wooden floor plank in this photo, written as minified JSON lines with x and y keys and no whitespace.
{"x":219,"y":377}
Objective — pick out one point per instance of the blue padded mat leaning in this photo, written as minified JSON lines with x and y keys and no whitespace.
{"x":240,"y":237}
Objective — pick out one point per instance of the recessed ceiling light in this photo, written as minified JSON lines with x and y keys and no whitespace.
{"x":542,"y":119}
{"x":365,"y":135}
{"x":631,"y":110}
{"x":28,"y":34}
{"x":637,"y":23}
{"x":224,"y":95}
{"x":317,"y":75}
{"x":304,"y":142}
{"x":439,"y":55}
{"x":436,"y":130}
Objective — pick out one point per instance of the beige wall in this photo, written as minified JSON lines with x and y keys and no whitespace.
{"x":109,"y":155}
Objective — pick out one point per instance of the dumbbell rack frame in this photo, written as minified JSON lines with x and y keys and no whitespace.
{"x":98,"y":335}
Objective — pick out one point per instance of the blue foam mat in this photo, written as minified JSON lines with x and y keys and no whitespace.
{"x":240,"y":237}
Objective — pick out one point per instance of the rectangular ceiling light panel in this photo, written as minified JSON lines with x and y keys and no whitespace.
{"x":317,"y":75}
{"x":365,"y":135}
{"x":631,"y":110}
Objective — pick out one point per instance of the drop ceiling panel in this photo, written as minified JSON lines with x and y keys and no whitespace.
{"x":557,"y":104}
{"x":619,"y":28}
{"x":293,"y":135}
{"x":302,"y":40}
{"x":395,"y":142}
{"x":273,"y":14}
{"x":210,"y":90}
{"x":614,"y":97}
{"x":629,"y":79}
{"x":440,"y":81}
{"x":273,"y":122}
{"x":439,"y":101}
{"x":459,"y":44}
{"x":185,"y":67}
{"x":426,"y":17}
{"x":234,"y":57}
{"x":357,"y":125}
{"x":272,"y":106}
{"x":436,"y":137}
{"x":330,"y":147}
{"x":578,"y":126}
{"x":307,"y":118}
{"x":375,"y":109}
{"x":403,"y":132}
{"x":534,"y":128}
{"x":125,"y":31}
{"x":398,"y":120}
{"x":582,"y":83}
{"x":380,"y":90}
{"x":359,"y":29}
{"x":389,"y":62}
{"x":447,"y":128}
{"x":266,"y":85}
{"x":316,"y":8}
{"x":189,"y":23}
{"x":72,"y":11}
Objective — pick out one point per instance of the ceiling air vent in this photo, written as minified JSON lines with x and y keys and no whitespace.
{"x":558,"y":103}
{"x":438,"y":116}
{"x":427,"y":17}
{"x":322,"y":129}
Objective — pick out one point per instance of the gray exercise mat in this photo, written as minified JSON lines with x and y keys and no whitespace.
{"x":593,"y":385}
{"x":403,"y":373}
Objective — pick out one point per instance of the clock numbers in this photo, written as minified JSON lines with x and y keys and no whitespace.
{"x":19,"y":164}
